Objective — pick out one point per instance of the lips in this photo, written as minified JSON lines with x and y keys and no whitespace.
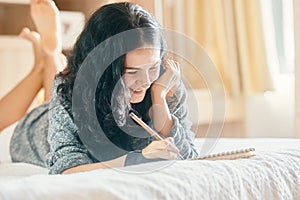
{"x":137,"y":95}
{"x":138,"y":91}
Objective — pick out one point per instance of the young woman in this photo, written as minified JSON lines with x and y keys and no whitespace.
{"x":149,"y":85}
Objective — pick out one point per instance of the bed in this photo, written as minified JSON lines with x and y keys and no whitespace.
{"x":274,"y":173}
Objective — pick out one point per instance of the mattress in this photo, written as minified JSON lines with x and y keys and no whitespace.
{"x":273,"y":173}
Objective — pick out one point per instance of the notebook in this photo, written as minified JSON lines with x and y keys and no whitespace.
{"x":228,"y":155}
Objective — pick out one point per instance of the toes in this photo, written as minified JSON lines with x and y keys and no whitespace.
{"x":32,"y":36}
{"x":24,"y":32}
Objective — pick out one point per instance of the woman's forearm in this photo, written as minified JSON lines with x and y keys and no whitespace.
{"x":118,"y":162}
{"x":161,"y":116}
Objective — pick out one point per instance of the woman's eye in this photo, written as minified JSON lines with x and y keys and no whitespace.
{"x":153,"y":68}
{"x":131,"y":72}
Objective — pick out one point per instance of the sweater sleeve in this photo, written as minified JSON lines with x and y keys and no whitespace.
{"x":66,"y":149}
{"x":181,"y":130}
{"x":136,"y":157}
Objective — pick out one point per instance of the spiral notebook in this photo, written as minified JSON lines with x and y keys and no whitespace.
{"x":228,"y":155}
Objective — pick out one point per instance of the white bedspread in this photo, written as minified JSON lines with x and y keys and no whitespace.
{"x":274,"y":173}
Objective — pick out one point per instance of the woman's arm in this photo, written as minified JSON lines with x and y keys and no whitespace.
{"x":161,"y":89}
{"x":118,"y":162}
{"x":169,"y":110}
{"x":181,"y":130}
{"x":160,"y":113}
{"x":68,"y":154}
{"x":14,"y":105}
{"x":66,"y":149}
{"x":156,"y":151}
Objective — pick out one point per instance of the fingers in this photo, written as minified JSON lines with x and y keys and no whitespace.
{"x":172,"y":64}
{"x":167,"y":155}
{"x":165,"y":149}
{"x":165,"y":145}
{"x":173,"y":67}
{"x":170,"y":145}
{"x":169,"y":81}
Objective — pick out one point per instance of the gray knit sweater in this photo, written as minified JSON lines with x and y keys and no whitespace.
{"x":65,"y":149}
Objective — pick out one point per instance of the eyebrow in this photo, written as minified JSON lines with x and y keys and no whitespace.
{"x":138,"y":68}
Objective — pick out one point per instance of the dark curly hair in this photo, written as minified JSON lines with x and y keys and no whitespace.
{"x":106,"y":22}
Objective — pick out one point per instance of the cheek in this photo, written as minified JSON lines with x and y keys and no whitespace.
{"x":129,"y":80}
{"x":154,"y":76}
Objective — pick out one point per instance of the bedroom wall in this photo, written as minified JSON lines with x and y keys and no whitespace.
{"x":272,"y":114}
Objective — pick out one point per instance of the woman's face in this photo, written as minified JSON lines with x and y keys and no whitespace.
{"x":142,"y":67}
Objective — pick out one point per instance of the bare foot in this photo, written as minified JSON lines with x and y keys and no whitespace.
{"x":34,"y":38}
{"x":45,"y":15}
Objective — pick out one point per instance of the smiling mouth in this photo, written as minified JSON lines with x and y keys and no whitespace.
{"x":139,"y":91}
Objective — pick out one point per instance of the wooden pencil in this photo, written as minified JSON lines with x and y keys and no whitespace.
{"x":151,"y":131}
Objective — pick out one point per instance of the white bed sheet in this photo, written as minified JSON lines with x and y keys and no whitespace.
{"x":5,"y":137}
{"x":274,"y":173}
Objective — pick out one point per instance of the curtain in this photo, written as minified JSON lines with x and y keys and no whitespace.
{"x":231,"y":32}
{"x":297,"y":66}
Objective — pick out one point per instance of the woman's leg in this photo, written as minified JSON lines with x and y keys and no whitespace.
{"x":14,"y":105}
{"x":45,"y":15}
{"x":48,"y":59}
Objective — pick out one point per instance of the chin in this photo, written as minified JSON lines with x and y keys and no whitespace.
{"x":138,"y":99}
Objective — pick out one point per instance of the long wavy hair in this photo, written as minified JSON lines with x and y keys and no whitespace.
{"x":108,"y":21}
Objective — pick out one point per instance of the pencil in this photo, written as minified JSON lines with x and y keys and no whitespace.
{"x":151,"y":131}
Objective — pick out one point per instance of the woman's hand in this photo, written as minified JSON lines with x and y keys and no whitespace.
{"x":164,"y":149}
{"x":169,"y":81}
